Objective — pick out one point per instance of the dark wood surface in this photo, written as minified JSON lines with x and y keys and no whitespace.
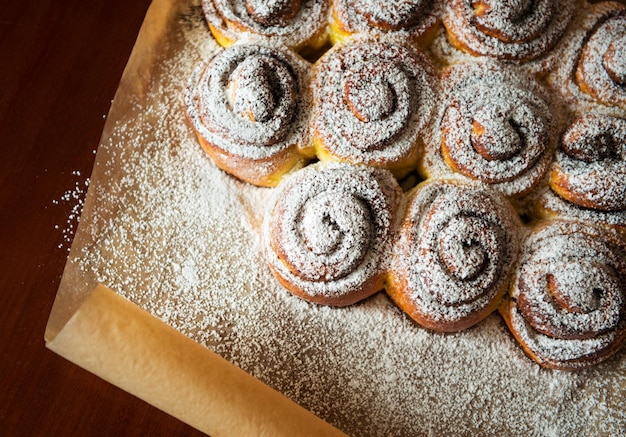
{"x":61,"y":62}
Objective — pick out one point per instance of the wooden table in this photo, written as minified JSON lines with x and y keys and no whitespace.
{"x":61,"y":62}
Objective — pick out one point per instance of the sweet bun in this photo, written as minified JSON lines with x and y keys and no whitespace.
{"x":507,"y":31}
{"x":299,"y":24}
{"x":250,"y":108}
{"x":588,"y":179}
{"x":567,"y":300}
{"x":452,"y":261}
{"x":412,"y":20}
{"x":373,"y":101}
{"x":505,"y":127}
{"x":327,"y":234}
{"x":601,"y":68}
{"x":496,"y":127}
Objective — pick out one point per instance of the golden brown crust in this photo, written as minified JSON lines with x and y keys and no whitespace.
{"x":416,"y":20}
{"x":567,"y":300}
{"x":590,"y":170}
{"x":299,"y":24}
{"x":496,"y":127}
{"x":506,"y":31}
{"x":601,"y":67}
{"x":373,"y":101}
{"x":328,"y":232}
{"x":250,"y":108}
{"x":451,"y":263}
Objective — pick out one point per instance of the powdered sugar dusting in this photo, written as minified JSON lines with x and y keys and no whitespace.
{"x":517,"y":108}
{"x":293,"y":28}
{"x":400,"y":18}
{"x":564,"y":77}
{"x":590,"y":170}
{"x":390,"y":138}
{"x":511,"y":31}
{"x":580,"y":321}
{"x":166,"y":228}
{"x":456,"y":250}
{"x":330,"y":229}
{"x":600,"y":70}
{"x":226,"y":107}
{"x":76,"y":199}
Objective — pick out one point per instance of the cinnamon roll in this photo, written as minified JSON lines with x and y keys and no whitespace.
{"x":588,"y":179}
{"x":507,"y":30}
{"x":567,"y":301}
{"x":250,"y":108}
{"x":413,"y":19}
{"x":496,"y":127}
{"x":591,"y":74}
{"x":373,"y":100}
{"x":601,"y":68}
{"x":452,"y":261}
{"x":299,"y":24}
{"x":328,"y":231}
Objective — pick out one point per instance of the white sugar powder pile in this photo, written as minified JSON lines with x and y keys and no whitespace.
{"x":168,"y":230}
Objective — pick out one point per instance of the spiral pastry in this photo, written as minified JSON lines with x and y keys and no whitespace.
{"x":299,"y":24}
{"x":567,"y":304}
{"x":373,"y":99}
{"x":415,"y":19}
{"x":451,"y":264}
{"x":601,"y":68}
{"x":507,"y":30}
{"x":591,"y":170}
{"x":588,"y":179}
{"x":495,"y":128}
{"x":250,"y":109}
{"x":328,"y":232}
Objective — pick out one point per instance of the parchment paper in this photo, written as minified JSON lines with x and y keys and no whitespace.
{"x":171,"y":235}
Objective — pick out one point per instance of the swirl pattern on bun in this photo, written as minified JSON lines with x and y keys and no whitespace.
{"x":496,"y":127}
{"x":328,"y":232}
{"x":250,"y":109}
{"x":567,"y":300}
{"x":373,"y":99}
{"x":601,"y":68}
{"x":507,"y":30}
{"x":299,"y":24}
{"x":415,"y":19}
{"x":591,"y":164}
{"x":452,"y":263}
{"x":588,"y":179}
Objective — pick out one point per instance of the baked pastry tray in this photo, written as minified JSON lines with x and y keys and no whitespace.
{"x":166,"y":295}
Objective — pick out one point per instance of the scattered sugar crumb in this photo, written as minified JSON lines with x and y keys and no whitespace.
{"x":168,"y":230}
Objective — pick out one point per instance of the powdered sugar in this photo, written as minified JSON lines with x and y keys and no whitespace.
{"x":562,"y":328}
{"x":590,"y":170}
{"x":389,"y":138}
{"x":219,"y":100}
{"x":76,"y":199}
{"x":456,"y":248}
{"x":517,"y":108}
{"x":400,"y":18}
{"x":330,"y":230}
{"x":564,"y":77}
{"x":166,"y":228}
{"x":506,"y":32}
{"x":292,"y":28}
{"x":600,"y":67}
